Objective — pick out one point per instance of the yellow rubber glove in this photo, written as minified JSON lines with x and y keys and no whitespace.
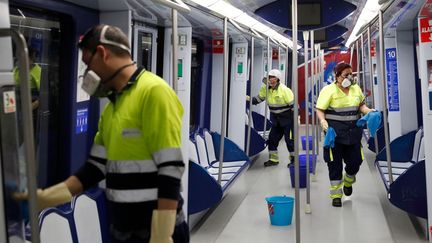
{"x":247,"y":98}
{"x":49,"y":197}
{"x":162,"y":227}
{"x":324,"y":124}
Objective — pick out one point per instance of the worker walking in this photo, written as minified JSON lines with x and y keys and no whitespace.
{"x":280,"y":101}
{"x":339,"y":106}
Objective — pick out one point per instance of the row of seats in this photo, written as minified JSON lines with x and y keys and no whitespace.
{"x":408,"y":189}
{"x":204,"y":190}
{"x":83,"y":220}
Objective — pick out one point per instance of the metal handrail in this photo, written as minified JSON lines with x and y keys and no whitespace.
{"x":174,"y":40}
{"x":224,"y":100}
{"x":296,"y":133}
{"x":29,"y":148}
{"x":267,"y":88}
{"x":306,"y":85}
{"x":250,"y":92}
{"x":384,"y":97}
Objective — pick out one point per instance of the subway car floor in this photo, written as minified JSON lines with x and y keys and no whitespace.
{"x":366,"y":216}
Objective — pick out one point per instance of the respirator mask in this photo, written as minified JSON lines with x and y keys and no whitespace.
{"x":348,"y":81}
{"x":92,"y":84}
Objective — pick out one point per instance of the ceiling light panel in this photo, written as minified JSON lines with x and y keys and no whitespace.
{"x":226,"y":9}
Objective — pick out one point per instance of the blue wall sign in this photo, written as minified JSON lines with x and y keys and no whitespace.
{"x":81,"y":121}
{"x":392,"y":80}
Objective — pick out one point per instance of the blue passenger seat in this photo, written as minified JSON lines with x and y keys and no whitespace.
{"x":82,"y":220}
{"x":408,"y":189}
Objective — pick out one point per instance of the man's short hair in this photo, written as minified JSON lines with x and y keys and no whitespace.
{"x":109,"y":36}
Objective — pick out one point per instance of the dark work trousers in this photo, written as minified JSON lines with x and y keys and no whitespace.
{"x":350,"y":154}
{"x":181,"y":235}
{"x":282,"y":126}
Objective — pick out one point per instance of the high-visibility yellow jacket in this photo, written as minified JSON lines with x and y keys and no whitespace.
{"x":280,"y":99}
{"x":342,"y":111}
{"x":137,"y":149}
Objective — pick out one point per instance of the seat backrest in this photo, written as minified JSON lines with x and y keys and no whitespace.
{"x":202,"y":151}
{"x":55,"y":227}
{"x":247,"y":120}
{"x":416,"y":147}
{"x":421,"y":154}
{"x":210,"y":146}
{"x":86,"y":217}
{"x":193,"y":155}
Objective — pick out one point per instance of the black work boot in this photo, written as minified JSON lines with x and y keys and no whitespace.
{"x":347,"y":190}
{"x":337,"y":202}
{"x":270,"y":163}
{"x":291,"y":161}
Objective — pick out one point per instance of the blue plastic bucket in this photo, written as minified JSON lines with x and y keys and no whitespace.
{"x":303,"y":140}
{"x":280,"y":210}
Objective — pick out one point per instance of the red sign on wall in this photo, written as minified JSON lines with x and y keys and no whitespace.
{"x":373,"y":44}
{"x":275,"y":54}
{"x":218,"y":46}
{"x":426,"y":30}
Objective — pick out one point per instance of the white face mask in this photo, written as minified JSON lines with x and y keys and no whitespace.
{"x":348,"y":81}
{"x":93,"y":86}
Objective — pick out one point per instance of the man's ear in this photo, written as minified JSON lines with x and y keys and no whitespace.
{"x":104,"y":52}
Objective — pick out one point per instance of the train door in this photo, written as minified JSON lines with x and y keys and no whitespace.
{"x":11,"y":213}
{"x":145,"y":47}
{"x":42,"y":34}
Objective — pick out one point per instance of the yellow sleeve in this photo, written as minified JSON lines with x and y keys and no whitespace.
{"x":324,"y":98}
{"x":289,"y":95}
{"x":262,"y":92}
{"x":162,"y":119}
{"x":35,"y":76}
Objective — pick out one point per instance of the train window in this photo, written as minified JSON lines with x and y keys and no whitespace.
{"x":145,"y":47}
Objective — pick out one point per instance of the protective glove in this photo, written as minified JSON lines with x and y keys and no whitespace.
{"x":324,"y":124}
{"x":370,"y":110}
{"x":162,"y":227}
{"x":49,"y":197}
{"x":247,"y":98}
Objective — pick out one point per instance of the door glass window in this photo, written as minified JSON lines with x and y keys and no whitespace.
{"x":145,"y":49}
{"x":42,"y":34}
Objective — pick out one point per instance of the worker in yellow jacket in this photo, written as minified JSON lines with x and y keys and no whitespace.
{"x":339,"y":106}
{"x":280,"y":100}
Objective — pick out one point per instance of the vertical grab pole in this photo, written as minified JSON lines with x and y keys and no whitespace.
{"x":296,"y":132}
{"x":306,"y":79}
{"x":371,"y":79}
{"x":251,"y":71}
{"x":363,"y":74}
{"x":286,"y":65}
{"x":279,"y":59}
{"x":316,"y":86}
{"x":224,"y":99}
{"x":312,"y":51}
{"x":358,"y":62}
{"x":267,"y":88}
{"x":174,"y":49}
{"x":23,"y":63}
{"x":384,"y":96}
